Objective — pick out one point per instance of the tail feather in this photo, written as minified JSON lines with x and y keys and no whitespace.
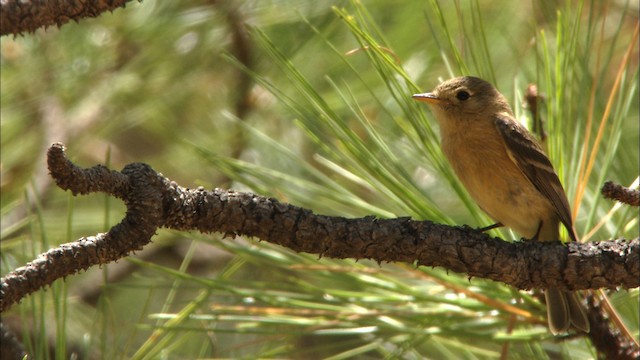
{"x":563,"y":307}
{"x":563,"y":310}
{"x":557,"y":311}
{"x":577,"y":312}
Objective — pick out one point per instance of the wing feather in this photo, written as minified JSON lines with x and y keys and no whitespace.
{"x":527,"y":154}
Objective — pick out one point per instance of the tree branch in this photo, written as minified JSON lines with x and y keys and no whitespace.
{"x":611,"y":190}
{"x":18,"y":16}
{"x":10,"y":347}
{"x":154,"y":201}
{"x":607,"y":339}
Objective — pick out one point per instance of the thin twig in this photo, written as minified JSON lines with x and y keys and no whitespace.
{"x":611,"y":190}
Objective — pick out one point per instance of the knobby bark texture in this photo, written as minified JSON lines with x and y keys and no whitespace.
{"x":153,"y":201}
{"x":19,"y":16}
{"x":611,"y":190}
{"x":611,"y":344}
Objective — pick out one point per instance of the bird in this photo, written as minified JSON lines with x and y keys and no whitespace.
{"x":507,"y":173}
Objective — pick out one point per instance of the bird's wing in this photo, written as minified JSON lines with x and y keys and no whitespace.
{"x":524,"y":150}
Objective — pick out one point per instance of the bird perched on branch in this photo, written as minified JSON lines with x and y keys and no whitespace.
{"x":506,"y":172}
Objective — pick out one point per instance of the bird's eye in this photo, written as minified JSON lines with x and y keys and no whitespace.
{"x":462,"y":95}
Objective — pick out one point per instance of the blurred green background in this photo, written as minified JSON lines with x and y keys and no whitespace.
{"x":307,"y":102}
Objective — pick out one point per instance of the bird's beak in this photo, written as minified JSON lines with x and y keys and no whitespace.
{"x":430,"y":98}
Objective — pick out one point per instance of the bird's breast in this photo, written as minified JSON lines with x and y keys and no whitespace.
{"x":480,"y":160}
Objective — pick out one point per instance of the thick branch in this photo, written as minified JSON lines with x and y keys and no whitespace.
{"x":524,"y":265}
{"x":18,"y":16}
{"x":137,"y":184}
{"x":154,"y":201}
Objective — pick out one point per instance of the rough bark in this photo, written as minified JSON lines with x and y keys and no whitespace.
{"x":154,"y":201}
{"x":19,"y":16}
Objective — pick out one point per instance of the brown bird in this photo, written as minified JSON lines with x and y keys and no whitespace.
{"x":506,"y":172}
